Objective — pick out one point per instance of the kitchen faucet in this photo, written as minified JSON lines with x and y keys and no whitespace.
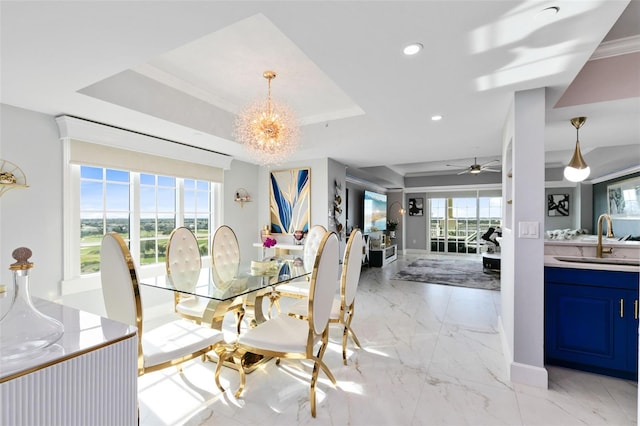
{"x":599,"y":249}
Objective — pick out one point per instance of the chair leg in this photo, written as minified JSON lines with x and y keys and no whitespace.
{"x":312,"y":392}
{"x":325,"y":368}
{"x":239,"y":361}
{"x":348,"y":325}
{"x":222,"y":356}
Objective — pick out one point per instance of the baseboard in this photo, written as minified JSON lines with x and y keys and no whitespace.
{"x":529,"y":375}
{"x":522,"y":373}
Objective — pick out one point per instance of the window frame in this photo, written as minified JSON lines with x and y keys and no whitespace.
{"x":72,"y":257}
{"x":196,"y":162}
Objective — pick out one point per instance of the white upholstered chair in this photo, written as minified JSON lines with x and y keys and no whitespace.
{"x":183,"y":263}
{"x":225,"y":255}
{"x":288,"y":337}
{"x":169,"y":344}
{"x":343,"y":304}
{"x":299,"y":289}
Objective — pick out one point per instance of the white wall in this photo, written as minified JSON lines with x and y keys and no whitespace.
{"x":522,"y":298}
{"x":243,"y":219}
{"x":32,"y":217}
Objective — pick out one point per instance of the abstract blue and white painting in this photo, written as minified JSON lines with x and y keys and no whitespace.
{"x":290,"y":200}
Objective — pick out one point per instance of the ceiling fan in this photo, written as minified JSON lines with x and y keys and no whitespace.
{"x":476,"y":168}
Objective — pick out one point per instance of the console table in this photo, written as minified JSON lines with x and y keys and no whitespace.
{"x":88,"y":377}
{"x":383,"y":256}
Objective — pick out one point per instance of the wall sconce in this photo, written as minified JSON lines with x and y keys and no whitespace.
{"x":11,"y":176}
{"x":242,"y":196}
{"x":577,"y":169}
{"x":401,"y":210}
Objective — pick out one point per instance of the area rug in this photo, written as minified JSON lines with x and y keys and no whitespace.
{"x":456,"y":272}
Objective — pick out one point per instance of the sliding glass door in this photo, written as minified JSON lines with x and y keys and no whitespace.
{"x":456,"y":224}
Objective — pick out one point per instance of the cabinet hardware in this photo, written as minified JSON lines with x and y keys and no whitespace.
{"x":621,"y":308}
{"x":635,"y":308}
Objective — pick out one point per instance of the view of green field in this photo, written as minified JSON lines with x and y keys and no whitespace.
{"x":152,"y":250}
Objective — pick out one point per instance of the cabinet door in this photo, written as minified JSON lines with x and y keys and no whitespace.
{"x":590,"y":327}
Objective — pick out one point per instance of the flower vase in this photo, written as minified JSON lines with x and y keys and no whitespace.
{"x":265,"y":233}
{"x":298,"y":236}
{"x":25,"y":331}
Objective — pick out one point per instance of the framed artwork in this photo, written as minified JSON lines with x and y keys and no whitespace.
{"x":416,"y":206}
{"x":289,"y":200}
{"x":623,"y":199}
{"x":558,"y":205}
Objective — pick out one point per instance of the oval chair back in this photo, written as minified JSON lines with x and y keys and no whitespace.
{"x":311,"y":244}
{"x":119,"y":278}
{"x":183,"y":261}
{"x":324,"y":283}
{"x":225,"y":254}
{"x":351,"y":267}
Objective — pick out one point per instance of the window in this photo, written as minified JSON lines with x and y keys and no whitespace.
{"x":138,"y":185}
{"x":456,"y":223}
{"x":108,"y":203}
{"x":104,"y":207}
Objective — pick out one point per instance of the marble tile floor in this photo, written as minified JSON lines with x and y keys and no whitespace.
{"x":432,"y":356}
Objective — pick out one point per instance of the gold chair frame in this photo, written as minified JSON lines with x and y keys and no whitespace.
{"x":313,"y":337}
{"x":346,"y":311}
{"x":219,"y":347}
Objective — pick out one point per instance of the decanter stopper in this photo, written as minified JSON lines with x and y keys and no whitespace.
{"x":21,"y":255}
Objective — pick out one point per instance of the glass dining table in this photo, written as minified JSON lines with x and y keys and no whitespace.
{"x":243,"y":294}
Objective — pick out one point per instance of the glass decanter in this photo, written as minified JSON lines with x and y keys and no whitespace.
{"x":25,"y":331}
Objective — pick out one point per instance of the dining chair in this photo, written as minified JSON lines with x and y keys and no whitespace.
{"x":169,"y":344}
{"x":183,"y":264}
{"x":299,"y":289}
{"x":288,"y":337}
{"x":225,"y":255}
{"x":342,"y":309}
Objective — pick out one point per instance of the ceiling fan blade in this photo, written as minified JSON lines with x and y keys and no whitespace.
{"x":464,"y":171}
{"x":456,"y":165}
{"x":488,"y":162}
{"x":491,"y":170}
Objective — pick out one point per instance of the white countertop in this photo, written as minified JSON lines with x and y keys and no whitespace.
{"x":83,"y":332}
{"x":592,"y":240}
{"x":551,"y":260}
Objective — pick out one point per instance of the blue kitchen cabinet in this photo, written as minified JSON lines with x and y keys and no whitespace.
{"x":591,"y":320}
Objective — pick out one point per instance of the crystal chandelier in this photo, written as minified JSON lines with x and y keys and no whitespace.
{"x":267,"y":129}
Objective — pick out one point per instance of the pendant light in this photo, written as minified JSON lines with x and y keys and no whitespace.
{"x":577,"y":169}
{"x":268,"y":129}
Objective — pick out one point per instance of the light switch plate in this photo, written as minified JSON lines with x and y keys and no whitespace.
{"x":528,"y":230}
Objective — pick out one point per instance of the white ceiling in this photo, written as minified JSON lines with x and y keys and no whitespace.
{"x":182,"y":70}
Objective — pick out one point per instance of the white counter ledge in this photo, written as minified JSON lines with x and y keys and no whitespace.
{"x":550,"y":260}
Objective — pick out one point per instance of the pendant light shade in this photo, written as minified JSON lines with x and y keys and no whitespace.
{"x":577,"y":169}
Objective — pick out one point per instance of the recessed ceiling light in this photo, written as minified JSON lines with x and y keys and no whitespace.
{"x":548,"y":13}
{"x":412,"y":49}
{"x":436,"y":117}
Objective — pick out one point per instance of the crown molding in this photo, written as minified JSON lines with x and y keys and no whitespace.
{"x":618,"y":47}
{"x":615,"y":175}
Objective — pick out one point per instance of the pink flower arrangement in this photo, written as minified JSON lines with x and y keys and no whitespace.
{"x":269,"y":242}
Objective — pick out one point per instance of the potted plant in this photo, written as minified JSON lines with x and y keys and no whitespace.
{"x":392,"y":225}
